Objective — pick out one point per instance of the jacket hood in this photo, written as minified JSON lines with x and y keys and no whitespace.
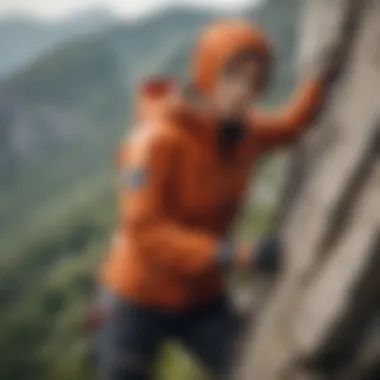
{"x":154,"y":96}
{"x":221,"y":42}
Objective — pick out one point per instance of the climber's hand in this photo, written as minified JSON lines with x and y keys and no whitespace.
{"x":264,"y":257}
{"x":269,"y":255}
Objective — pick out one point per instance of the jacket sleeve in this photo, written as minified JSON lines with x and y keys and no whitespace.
{"x":286,"y":127}
{"x":146,"y":180}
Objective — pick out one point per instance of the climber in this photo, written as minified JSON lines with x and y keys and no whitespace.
{"x":183,"y":174}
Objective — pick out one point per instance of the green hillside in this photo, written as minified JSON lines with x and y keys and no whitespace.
{"x":23,"y":39}
{"x":57,"y":190}
{"x":75,"y":105}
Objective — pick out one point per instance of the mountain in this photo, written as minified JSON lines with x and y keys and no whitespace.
{"x":61,"y":117}
{"x":91,"y":78}
{"x":23,"y":39}
{"x":71,"y":106}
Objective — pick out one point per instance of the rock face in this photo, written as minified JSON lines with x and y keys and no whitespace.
{"x":321,"y":320}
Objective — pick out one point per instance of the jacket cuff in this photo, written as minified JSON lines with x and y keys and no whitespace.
{"x":226,"y":254}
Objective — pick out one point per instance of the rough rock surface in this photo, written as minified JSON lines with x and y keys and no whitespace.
{"x":321,"y":319}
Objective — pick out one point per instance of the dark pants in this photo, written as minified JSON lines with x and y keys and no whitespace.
{"x":132,"y":335}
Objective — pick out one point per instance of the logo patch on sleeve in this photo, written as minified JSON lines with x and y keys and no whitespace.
{"x":135,"y":178}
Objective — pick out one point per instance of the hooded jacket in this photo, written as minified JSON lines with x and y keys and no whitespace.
{"x":178,"y":199}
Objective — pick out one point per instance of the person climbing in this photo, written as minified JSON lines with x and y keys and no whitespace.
{"x":183,"y":175}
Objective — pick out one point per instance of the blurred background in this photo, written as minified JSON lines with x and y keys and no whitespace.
{"x":68,"y":73}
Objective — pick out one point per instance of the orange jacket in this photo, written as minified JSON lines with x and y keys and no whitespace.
{"x":178,"y":199}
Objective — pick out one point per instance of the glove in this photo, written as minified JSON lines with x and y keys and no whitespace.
{"x":264,"y":257}
{"x":268,"y":255}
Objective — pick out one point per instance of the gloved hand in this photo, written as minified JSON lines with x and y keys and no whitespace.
{"x":268,"y":255}
{"x":264,"y":257}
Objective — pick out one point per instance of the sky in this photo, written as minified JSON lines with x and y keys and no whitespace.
{"x":53,"y":9}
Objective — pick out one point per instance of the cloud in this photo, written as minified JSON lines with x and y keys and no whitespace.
{"x":127,"y":8}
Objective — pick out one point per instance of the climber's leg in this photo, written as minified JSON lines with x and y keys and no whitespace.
{"x":129,"y":341}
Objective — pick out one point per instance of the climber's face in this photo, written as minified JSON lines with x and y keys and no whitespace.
{"x":237,"y":87}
